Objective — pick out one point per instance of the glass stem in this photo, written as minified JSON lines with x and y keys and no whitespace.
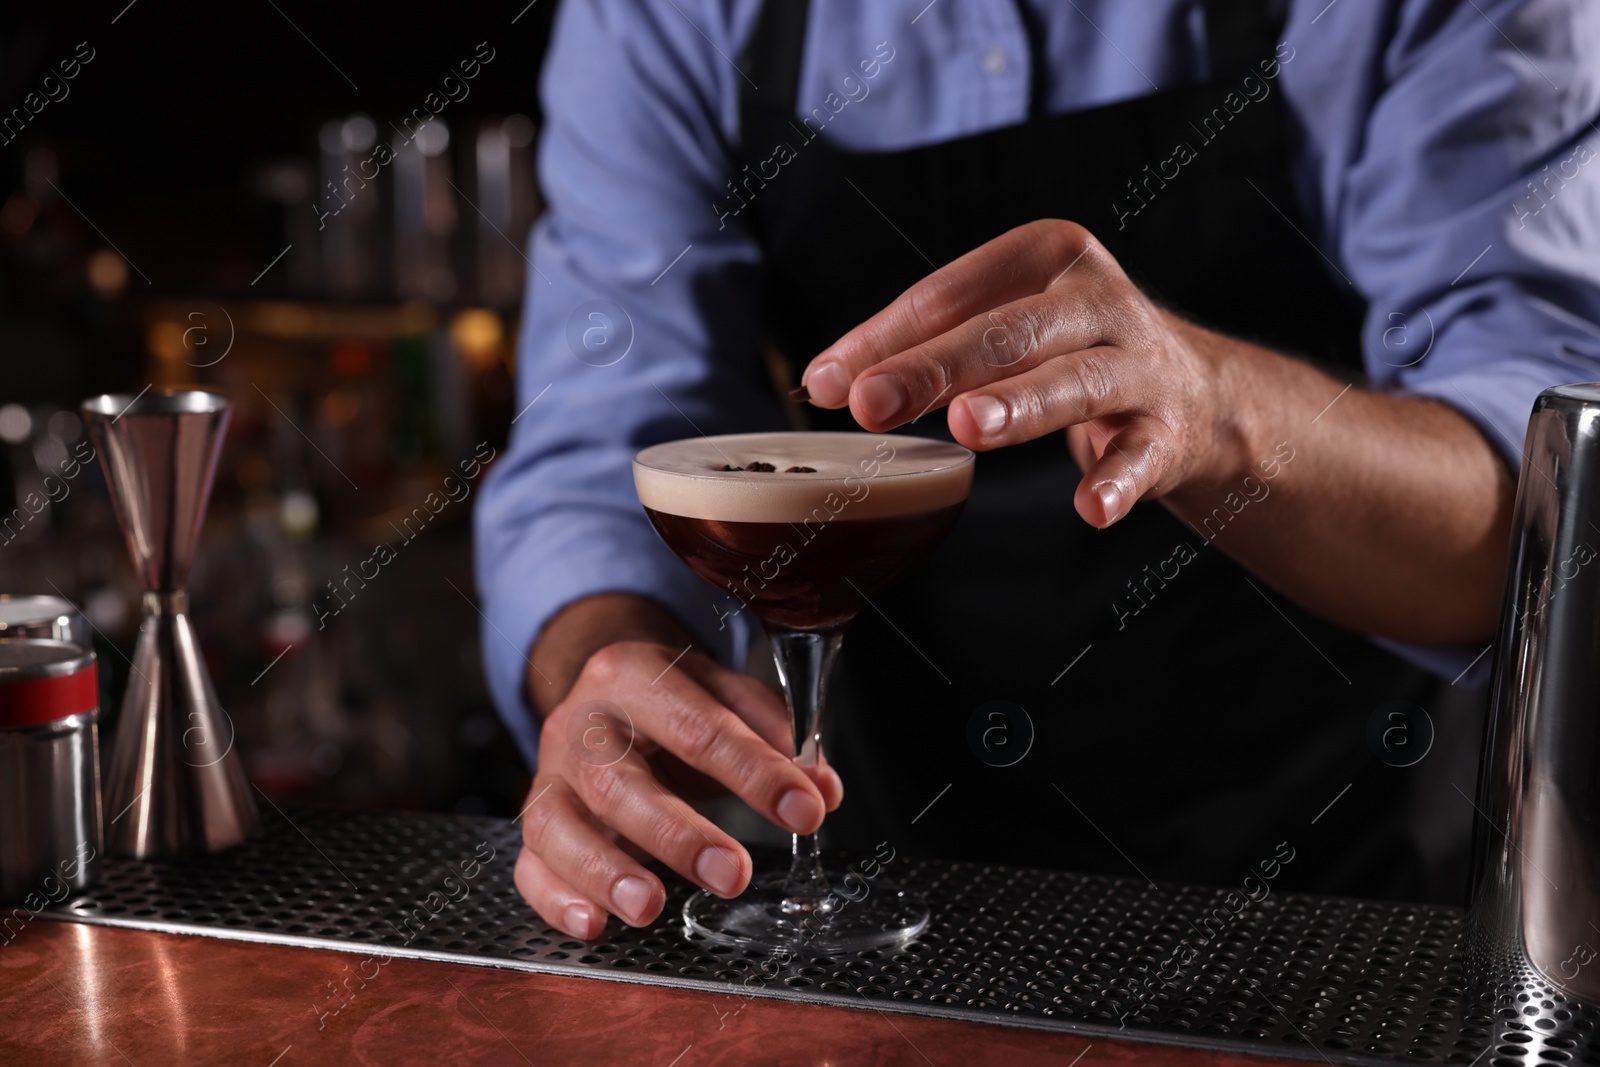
{"x":805,"y":659}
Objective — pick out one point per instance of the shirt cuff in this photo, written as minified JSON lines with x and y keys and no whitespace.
{"x":1496,"y":397}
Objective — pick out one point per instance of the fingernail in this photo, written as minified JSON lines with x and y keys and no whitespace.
{"x":828,"y":385}
{"x":1110,"y":499}
{"x":576,"y":920}
{"x":988,"y":413}
{"x":799,"y":811}
{"x":718,"y":871}
{"x":630,"y":898}
{"x":882,"y":397}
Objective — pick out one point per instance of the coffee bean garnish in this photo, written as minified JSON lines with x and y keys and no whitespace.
{"x":800,"y":394}
{"x":767,"y":468}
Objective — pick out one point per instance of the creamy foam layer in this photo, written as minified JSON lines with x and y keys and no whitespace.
{"x":854,"y":476}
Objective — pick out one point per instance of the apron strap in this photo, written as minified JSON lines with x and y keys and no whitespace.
{"x":771,"y":59}
{"x":1241,"y":32}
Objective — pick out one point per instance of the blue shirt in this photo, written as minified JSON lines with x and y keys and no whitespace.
{"x":1445,"y":158}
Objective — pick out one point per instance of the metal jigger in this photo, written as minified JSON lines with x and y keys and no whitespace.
{"x":175,"y":783}
{"x":1533,"y":944}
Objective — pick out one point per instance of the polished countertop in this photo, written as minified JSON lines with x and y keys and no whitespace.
{"x":73,"y":993}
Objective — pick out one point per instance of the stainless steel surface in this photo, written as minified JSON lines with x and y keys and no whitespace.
{"x":49,"y":780}
{"x":49,"y":809}
{"x":175,"y":781}
{"x":51,"y":617}
{"x":1536,"y":895}
{"x":1321,"y":979}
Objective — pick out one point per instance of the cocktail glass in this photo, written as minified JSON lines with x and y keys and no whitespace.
{"x":802,"y":529}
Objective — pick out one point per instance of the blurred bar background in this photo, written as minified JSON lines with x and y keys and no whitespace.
{"x":321,"y":213}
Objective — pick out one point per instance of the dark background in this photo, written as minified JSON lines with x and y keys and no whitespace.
{"x":162,"y":130}
{"x":139,"y":221}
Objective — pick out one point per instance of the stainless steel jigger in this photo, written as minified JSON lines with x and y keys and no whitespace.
{"x":1534,"y":925}
{"x":175,"y":784}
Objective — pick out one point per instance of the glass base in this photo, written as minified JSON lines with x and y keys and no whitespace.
{"x":878,"y":916}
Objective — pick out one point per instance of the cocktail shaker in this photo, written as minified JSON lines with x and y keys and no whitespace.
{"x":1534,"y":924}
{"x":176,"y":783}
{"x":51,"y":617}
{"x":49,"y":773}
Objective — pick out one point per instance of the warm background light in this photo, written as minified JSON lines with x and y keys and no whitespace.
{"x":477,"y":334}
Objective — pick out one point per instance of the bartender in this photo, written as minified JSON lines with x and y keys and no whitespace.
{"x":1243,"y":306}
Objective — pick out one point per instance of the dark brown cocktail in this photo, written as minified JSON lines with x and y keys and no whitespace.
{"x":803,"y":528}
{"x":799,"y":576}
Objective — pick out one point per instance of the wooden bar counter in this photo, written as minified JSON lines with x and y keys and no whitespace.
{"x":76,"y":994}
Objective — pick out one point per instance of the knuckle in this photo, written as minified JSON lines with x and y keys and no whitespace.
{"x":1028,"y":407}
{"x":758,"y":772}
{"x":934,"y":377}
{"x":934,"y":298}
{"x":606,"y":664}
{"x":1093,"y":376}
{"x":1097,"y":257}
{"x":1150,"y":451}
{"x":537,"y":823}
{"x":604,"y":786}
{"x":694,"y":736}
{"x":1064,"y":241}
{"x":552,"y":735}
{"x":602,"y":664}
{"x":672,"y":838}
{"x":1135,"y":317}
{"x":1010,"y":334}
{"x":529,"y":876}
{"x":593,"y":870}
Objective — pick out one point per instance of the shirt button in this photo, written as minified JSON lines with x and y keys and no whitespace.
{"x":994,"y":61}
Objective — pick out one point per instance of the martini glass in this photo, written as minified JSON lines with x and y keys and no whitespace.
{"x":802,"y":529}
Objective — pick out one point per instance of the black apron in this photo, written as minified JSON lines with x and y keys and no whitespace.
{"x":1185,"y":718}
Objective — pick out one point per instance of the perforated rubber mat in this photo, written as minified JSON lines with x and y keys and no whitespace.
{"x":1317,"y":978}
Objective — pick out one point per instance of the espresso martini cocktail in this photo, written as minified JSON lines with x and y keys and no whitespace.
{"x":803,"y":529}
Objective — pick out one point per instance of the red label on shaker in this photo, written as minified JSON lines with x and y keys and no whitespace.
{"x":45,"y":681}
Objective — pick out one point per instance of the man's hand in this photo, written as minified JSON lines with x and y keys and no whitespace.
{"x":635,"y":735}
{"x":1040,"y":330}
{"x":1393,"y":519}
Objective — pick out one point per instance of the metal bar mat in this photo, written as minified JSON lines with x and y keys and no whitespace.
{"x":1304,"y":977}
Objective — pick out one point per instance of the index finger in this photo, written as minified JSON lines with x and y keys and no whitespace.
{"x":764,"y":711}
{"x":691,"y":723}
{"x":1019,"y":263}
